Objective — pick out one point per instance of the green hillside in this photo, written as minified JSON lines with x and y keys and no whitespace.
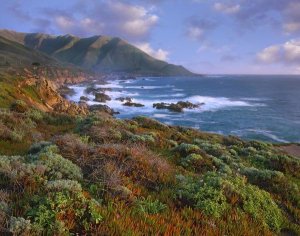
{"x":98,"y":53}
{"x":15,"y":54}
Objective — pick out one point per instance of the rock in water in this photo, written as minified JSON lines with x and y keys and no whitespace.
{"x":101,"y":97}
{"x":176,"y":107}
{"x":133,"y":104}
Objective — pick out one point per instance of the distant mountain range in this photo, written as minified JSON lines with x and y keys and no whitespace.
{"x":97,"y":53}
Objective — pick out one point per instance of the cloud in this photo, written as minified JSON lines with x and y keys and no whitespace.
{"x":158,"y":54}
{"x":85,"y":18}
{"x":250,"y":14}
{"x":197,"y":29}
{"x":226,"y":8}
{"x":287,"y":53}
{"x":292,"y":17}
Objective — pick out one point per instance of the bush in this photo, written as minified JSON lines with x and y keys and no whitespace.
{"x":144,"y":138}
{"x":260,"y":176}
{"x":256,"y":202}
{"x":211,"y":201}
{"x":61,"y":212}
{"x":35,"y":114}
{"x":64,"y":185}
{"x":185,"y":148}
{"x":57,"y":166}
{"x":191,"y":160}
{"x":204,"y":194}
{"x":149,"y":206}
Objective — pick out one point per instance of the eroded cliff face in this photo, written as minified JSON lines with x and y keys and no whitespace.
{"x":45,"y":85}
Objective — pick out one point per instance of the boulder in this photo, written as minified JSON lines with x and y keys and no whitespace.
{"x":133,"y":104}
{"x":101,"y":97}
{"x":176,"y":107}
{"x":84,"y":98}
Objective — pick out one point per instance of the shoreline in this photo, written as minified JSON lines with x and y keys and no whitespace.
{"x":114,"y":85}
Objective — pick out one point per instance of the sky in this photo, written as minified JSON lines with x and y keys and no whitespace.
{"x":205,"y":36}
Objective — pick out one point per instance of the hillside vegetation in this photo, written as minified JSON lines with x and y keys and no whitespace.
{"x":97,"y":53}
{"x":63,"y":174}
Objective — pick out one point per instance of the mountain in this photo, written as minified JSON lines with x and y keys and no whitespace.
{"x":13,"y":53}
{"x":97,"y":53}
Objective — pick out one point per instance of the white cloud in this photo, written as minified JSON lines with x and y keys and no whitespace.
{"x":133,"y":20}
{"x":269,"y":55}
{"x":287,"y":53}
{"x":227,"y":9}
{"x":158,"y":54}
{"x":130,"y":21}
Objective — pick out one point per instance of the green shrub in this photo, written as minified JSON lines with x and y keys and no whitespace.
{"x":149,"y":206}
{"x":256,"y":176}
{"x":190,"y":160}
{"x":144,"y":138}
{"x":35,"y":114}
{"x":64,"y":185}
{"x":59,"y":212}
{"x":57,"y":166}
{"x":204,"y":194}
{"x":256,"y":202}
{"x":185,"y":148}
{"x":214,"y":149}
{"x":211,"y":201}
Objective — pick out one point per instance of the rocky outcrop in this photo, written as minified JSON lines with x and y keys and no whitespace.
{"x":84,"y":99}
{"x":176,"y":107}
{"x":43,"y":94}
{"x":101,"y":97}
{"x":133,"y":104}
{"x":49,"y":96}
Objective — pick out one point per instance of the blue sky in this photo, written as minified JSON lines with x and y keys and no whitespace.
{"x":206,"y":36}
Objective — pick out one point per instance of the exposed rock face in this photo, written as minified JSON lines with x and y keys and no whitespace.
{"x":47,"y":91}
{"x":46,"y":96}
{"x":133,"y":104}
{"x":176,"y":107}
{"x":101,"y":97}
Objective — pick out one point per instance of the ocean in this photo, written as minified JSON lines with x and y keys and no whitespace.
{"x":252,"y":107}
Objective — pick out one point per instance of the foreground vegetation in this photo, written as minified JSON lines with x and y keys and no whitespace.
{"x":62,"y":175}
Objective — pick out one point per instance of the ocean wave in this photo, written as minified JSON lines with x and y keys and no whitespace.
{"x":216,"y":103}
{"x":157,"y":115}
{"x":170,"y":95}
{"x":177,"y":89}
